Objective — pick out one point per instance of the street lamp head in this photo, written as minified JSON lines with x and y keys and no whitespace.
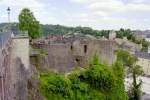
{"x":8,"y":9}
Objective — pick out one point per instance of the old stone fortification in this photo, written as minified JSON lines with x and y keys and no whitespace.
{"x":5,"y":76}
{"x":14,"y":66}
{"x":20,"y":67}
{"x":65,"y":53}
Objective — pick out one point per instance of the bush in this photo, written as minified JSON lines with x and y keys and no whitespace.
{"x":98,"y":82}
{"x":53,"y":83}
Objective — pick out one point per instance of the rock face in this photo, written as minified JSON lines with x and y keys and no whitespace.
{"x":5,"y":76}
{"x":67,"y":52}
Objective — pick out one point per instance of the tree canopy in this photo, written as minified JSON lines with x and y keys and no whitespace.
{"x":27,"y":22}
{"x":129,"y":61}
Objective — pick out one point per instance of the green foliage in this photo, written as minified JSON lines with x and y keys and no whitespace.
{"x":59,"y":29}
{"x":125,"y":33}
{"x":95,"y":60}
{"x":130,"y":36}
{"x":133,"y":69}
{"x":27,"y":22}
{"x":118,"y":70}
{"x":52,"y":84}
{"x":126,"y":58}
{"x":98,"y":82}
{"x":52,"y":29}
{"x":145,"y":45}
{"x":100,"y":77}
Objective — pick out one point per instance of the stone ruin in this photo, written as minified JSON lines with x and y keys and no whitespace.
{"x":14,"y":67}
{"x":63,"y":53}
{"x":67,"y":52}
{"x":5,"y":76}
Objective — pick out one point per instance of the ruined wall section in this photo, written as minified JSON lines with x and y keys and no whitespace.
{"x":105,"y":49}
{"x":64,"y":56}
{"x":5,"y":76}
{"x":20,"y":66}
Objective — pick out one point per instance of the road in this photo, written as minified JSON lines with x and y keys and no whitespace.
{"x":145,"y":86}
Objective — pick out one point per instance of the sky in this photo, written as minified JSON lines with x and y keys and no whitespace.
{"x":98,"y":14}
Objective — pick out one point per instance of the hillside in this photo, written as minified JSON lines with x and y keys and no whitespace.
{"x":59,"y":29}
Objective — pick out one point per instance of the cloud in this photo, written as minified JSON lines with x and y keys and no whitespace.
{"x":113,"y":6}
{"x":95,"y":13}
{"x":116,"y":12}
{"x":37,"y":7}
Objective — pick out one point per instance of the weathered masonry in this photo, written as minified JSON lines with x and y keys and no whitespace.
{"x":65,"y":53}
{"x":14,"y":66}
{"x":5,"y":75}
{"x":20,"y":66}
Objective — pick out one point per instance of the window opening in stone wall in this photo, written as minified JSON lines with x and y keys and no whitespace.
{"x":85,"y":48}
{"x":77,"y":60}
{"x":71,"y":47}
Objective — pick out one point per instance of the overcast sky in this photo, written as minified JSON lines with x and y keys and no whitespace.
{"x":98,"y":14}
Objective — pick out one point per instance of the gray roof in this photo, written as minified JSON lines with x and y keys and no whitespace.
{"x":144,"y":55}
{"x":148,"y":36}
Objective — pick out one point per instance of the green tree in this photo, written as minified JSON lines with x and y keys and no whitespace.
{"x":27,"y":22}
{"x":145,"y":45}
{"x":133,"y":69}
{"x":119,"y":89}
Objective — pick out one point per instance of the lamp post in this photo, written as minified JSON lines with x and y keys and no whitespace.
{"x":8,"y":12}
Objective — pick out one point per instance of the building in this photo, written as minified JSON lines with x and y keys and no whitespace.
{"x":147,"y":37}
{"x":140,"y":35}
{"x":148,"y":49}
{"x":144,"y":61}
{"x":65,"y":53}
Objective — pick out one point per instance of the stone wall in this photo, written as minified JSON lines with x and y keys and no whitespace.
{"x":65,"y":54}
{"x":5,"y":76}
{"x":20,"y":69}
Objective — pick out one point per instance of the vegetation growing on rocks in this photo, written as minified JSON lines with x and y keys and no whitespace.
{"x":97,"y":82}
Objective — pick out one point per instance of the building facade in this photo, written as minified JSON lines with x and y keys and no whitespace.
{"x":144,"y":61}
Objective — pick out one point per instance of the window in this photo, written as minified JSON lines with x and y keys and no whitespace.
{"x":71,"y":47}
{"x":85,"y":48}
{"x":77,"y":60}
